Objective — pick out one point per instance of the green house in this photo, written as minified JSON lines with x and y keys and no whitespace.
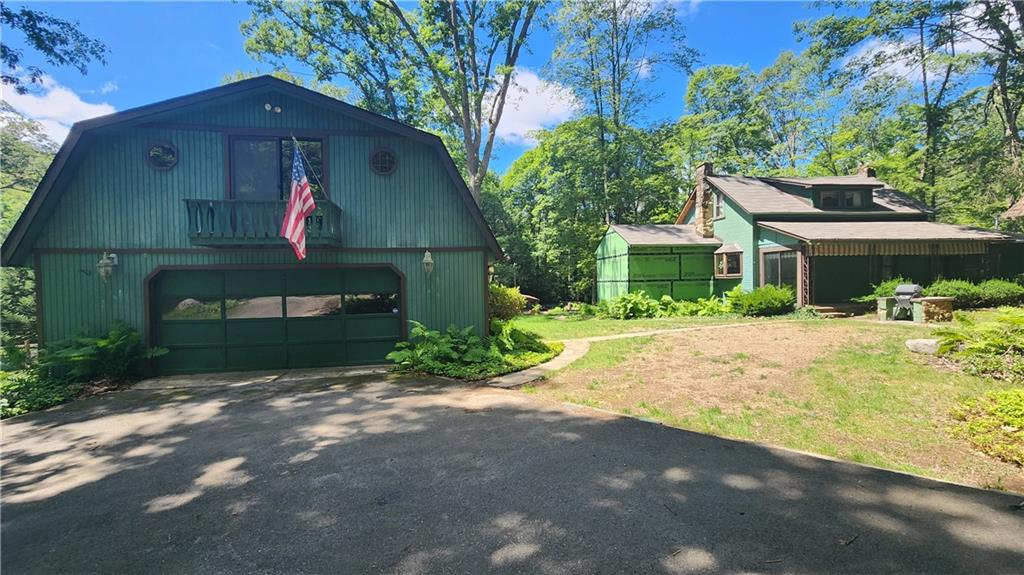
{"x":829,"y":238}
{"x":167,"y":217}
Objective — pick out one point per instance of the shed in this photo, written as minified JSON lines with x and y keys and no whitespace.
{"x":661,"y":260}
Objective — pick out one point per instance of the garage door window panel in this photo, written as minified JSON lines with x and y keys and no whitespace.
{"x":371,"y":303}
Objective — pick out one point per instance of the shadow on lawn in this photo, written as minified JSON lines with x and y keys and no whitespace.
{"x":379,"y":473}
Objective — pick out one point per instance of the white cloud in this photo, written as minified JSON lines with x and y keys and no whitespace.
{"x":56,"y":107}
{"x":532,"y":104}
{"x":109,"y":87}
{"x":690,"y":8}
{"x":644,"y":68}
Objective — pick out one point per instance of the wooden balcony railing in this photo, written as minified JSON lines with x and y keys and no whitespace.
{"x":251,"y":223}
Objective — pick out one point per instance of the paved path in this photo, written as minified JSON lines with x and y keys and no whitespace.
{"x":376,"y":473}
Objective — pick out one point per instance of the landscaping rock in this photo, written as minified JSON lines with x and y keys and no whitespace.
{"x":925,"y":346}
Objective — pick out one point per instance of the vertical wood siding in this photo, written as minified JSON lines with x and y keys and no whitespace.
{"x":76,"y":300}
{"x":115,"y":201}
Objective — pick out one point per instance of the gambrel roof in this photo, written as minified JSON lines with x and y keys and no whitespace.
{"x":17,"y":246}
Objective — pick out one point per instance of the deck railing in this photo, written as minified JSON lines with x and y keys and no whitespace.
{"x":245,"y":222}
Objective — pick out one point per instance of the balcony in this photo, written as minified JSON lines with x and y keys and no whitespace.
{"x":237,"y":223}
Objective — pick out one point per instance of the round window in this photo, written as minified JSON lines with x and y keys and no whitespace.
{"x":162,"y":156}
{"x":383,"y":162}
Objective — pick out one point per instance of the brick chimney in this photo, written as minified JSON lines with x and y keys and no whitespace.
{"x":866,"y":171}
{"x":704,"y":204}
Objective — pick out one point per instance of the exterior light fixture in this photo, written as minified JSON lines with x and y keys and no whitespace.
{"x":105,"y":267}
{"x":268,"y":107}
{"x":428,"y":263}
{"x":271,"y":108}
{"x":277,"y":109}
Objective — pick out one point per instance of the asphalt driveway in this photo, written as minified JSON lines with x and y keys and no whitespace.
{"x":375,"y":473}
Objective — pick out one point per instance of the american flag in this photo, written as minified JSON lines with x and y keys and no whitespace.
{"x":300,"y":206}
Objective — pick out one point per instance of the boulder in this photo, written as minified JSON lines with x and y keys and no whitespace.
{"x":925,"y":346}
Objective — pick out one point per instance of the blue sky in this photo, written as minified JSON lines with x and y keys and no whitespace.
{"x":160,"y":50}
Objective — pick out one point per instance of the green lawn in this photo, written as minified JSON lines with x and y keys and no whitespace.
{"x":553,"y":327}
{"x":854,"y":392}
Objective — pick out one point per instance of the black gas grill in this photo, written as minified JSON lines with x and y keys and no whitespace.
{"x":904,"y":294}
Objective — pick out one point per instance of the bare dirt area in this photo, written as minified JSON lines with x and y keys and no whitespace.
{"x":724,"y":367}
{"x":845,"y":389}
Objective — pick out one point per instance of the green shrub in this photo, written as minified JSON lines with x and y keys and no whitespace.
{"x":1001,"y":292}
{"x":993,"y":347}
{"x":505,"y":302}
{"x":964,"y":293}
{"x":117,"y":356}
{"x":24,"y":391}
{"x":765,"y":301}
{"x":884,"y":289}
{"x":62,"y":368}
{"x":634,"y":305}
{"x":460,"y":353}
{"x":994,"y":423}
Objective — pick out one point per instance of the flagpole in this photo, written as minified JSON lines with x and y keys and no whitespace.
{"x":295,"y":142}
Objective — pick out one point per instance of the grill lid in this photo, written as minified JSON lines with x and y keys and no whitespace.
{"x":908,"y":289}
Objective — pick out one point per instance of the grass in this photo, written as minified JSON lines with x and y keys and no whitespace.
{"x":870,"y":402}
{"x":554,"y":327}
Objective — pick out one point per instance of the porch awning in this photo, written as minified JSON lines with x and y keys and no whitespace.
{"x":917,"y":238}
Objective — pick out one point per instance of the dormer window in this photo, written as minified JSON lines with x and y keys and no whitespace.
{"x":842,"y":199}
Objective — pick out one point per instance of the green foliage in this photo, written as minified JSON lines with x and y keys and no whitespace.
{"x":116,"y":356}
{"x":461,"y":354}
{"x":505,"y":302}
{"x":550,"y":209}
{"x":634,"y":305}
{"x":26,"y":390}
{"x":964,"y":293}
{"x":993,"y":347}
{"x":1001,"y":292}
{"x":27,"y":151}
{"x":994,"y":423}
{"x":445,"y":67}
{"x":637,"y":305}
{"x":63,"y":368}
{"x":58,"y":41}
{"x":765,"y":301}
{"x":884,"y":289}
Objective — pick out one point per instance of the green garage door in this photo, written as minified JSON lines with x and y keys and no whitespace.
{"x":225,"y":320}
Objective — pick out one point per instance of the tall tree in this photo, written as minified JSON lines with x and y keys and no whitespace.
{"x":920,"y":37}
{"x":27,"y":152}
{"x":446,"y":65}
{"x":548,"y":211}
{"x":59,"y":42}
{"x":608,"y":52}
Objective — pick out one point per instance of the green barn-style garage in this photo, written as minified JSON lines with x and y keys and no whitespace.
{"x":182,"y":201}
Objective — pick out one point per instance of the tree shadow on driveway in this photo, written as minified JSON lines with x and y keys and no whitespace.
{"x":381,"y":473}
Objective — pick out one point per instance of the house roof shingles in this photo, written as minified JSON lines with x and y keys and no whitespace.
{"x":883,"y":231}
{"x":1015,"y":211}
{"x":760,"y":196}
{"x":662,"y":235}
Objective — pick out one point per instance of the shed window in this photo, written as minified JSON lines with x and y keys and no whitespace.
{"x":728,"y":265}
{"x":261,"y":167}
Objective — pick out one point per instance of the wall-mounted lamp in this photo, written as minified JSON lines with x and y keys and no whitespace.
{"x":428,"y":263}
{"x":105,"y":267}
{"x":270,"y":108}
